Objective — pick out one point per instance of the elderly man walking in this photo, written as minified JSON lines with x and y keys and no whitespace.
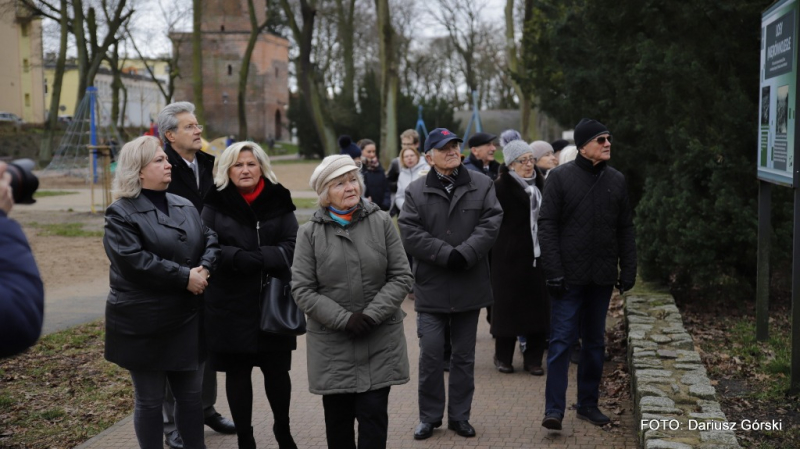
{"x":586,"y":232}
{"x":449,"y":222}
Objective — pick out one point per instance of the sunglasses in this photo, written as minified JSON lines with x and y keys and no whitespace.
{"x":602,"y":140}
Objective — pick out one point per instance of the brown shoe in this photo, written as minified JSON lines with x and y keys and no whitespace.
{"x":503,"y":367}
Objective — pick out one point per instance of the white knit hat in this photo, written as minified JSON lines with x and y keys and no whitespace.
{"x":330,"y":168}
{"x":540,"y":148}
{"x":514,"y":149}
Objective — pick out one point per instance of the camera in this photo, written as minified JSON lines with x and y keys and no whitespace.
{"x":23,"y":182}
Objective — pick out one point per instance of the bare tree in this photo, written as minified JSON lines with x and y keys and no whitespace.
{"x":55,"y":100}
{"x":197,"y":60}
{"x":389,"y":81}
{"x":255,"y":29}
{"x":345,"y":15}
{"x":313,"y":95}
{"x":513,"y":55}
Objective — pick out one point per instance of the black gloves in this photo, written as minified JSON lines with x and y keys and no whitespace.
{"x":456,"y":261}
{"x":359,"y":325}
{"x":624,"y":286}
{"x":248,"y":262}
{"x":556,"y":287}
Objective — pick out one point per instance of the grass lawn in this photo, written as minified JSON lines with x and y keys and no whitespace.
{"x":62,"y":391}
{"x":64,"y":229}
{"x":46,"y":193}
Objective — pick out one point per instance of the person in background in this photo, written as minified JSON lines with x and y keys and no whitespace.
{"x":508,"y":136}
{"x":481,"y":157}
{"x":558,"y":145}
{"x":545,"y":158}
{"x":21,"y":288}
{"x":192,"y":178}
{"x":350,"y":276}
{"x":568,"y":154}
{"x":161,"y":257}
{"x":376,"y":184}
{"x":521,"y":306}
{"x":408,"y":139}
{"x":449,"y":222}
{"x":254,"y":219}
{"x":347,"y":147}
{"x":588,"y":246}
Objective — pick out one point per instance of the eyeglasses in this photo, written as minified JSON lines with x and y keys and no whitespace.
{"x":526,"y":161}
{"x":189,"y":128}
{"x":602,"y":140}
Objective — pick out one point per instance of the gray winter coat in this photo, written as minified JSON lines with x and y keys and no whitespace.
{"x":432,"y":225}
{"x":341,"y":270}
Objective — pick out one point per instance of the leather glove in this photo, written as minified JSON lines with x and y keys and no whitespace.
{"x":624,"y":286}
{"x":456,"y":261}
{"x":556,"y":287}
{"x":359,"y":325}
{"x":248,"y":262}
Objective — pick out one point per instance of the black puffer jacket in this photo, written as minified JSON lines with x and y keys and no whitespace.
{"x":586,"y":232}
{"x":232,"y":297}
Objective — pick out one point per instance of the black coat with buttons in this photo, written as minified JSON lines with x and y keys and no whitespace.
{"x":233,"y":296}
{"x":433,"y":224}
{"x":152,"y":321}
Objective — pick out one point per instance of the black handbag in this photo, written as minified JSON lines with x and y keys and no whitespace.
{"x":279,"y":313}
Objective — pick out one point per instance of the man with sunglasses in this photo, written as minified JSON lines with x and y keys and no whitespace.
{"x":192,"y":179}
{"x":586,"y":233}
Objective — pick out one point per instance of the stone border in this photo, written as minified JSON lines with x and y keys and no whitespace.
{"x":671,"y":390}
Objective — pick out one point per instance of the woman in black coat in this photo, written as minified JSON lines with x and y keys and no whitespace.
{"x":521,"y":305}
{"x":376,"y":185}
{"x":254,"y":218}
{"x":161,"y":257}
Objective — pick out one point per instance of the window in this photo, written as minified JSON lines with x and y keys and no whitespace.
{"x":27,"y":100}
{"x":25,"y":65}
{"x":23,"y":27}
{"x":276,"y":72}
{"x":222,"y":28}
{"x":230,"y":70}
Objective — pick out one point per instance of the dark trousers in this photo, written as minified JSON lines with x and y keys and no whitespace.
{"x":209,"y":399}
{"x":504,"y":349}
{"x":278,"y":386}
{"x":580,"y":313}
{"x":149,"y":388}
{"x":461,"y":387}
{"x":370,"y":409}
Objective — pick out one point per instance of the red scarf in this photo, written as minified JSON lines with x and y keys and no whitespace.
{"x":250,"y":197}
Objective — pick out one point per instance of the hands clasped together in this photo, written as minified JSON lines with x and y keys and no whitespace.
{"x":359,"y":325}
{"x":198,"y":280}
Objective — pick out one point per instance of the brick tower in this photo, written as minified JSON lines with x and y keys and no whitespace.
{"x":225,"y":31}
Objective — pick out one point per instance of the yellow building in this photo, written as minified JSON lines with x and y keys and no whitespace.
{"x":21,"y":72}
{"x":69,"y":89}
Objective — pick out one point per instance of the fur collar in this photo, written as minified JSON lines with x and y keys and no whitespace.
{"x":275,"y":200}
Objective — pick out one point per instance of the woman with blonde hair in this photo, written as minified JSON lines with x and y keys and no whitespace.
{"x":161,"y":259}
{"x":254,"y":217}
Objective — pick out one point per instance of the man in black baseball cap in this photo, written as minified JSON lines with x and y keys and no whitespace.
{"x":481,"y":158}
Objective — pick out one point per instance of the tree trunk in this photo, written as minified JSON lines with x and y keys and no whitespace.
{"x":345,"y":31}
{"x":197,"y":61}
{"x":55,"y":99}
{"x":80,"y":42}
{"x":389,"y":82}
{"x":255,"y":30}
{"x":313,"y":95}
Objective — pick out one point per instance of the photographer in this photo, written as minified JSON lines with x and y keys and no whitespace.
{"x":21,"y":289}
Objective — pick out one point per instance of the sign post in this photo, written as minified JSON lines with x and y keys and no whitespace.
{"x":776,"y":156}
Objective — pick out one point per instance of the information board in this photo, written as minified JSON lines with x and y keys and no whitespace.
{"x":776,"y":129}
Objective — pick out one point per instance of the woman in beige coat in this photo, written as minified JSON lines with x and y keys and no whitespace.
{"x":350,"y":275}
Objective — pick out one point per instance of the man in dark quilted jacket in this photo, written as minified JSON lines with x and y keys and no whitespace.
{"x":588,"y":247}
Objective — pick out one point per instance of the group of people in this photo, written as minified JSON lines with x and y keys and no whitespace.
{"x":191,"y":240}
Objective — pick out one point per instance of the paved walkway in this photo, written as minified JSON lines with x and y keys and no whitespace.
{"x":506,"y":412}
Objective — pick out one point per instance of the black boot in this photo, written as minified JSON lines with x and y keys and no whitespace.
{"x":245,"y":436}
{"x":283,"y":435}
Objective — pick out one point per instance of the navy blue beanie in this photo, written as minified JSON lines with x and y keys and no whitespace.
{"x":348,"y":147}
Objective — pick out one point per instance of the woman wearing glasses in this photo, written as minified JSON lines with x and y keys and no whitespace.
{"x":521,"y":306}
